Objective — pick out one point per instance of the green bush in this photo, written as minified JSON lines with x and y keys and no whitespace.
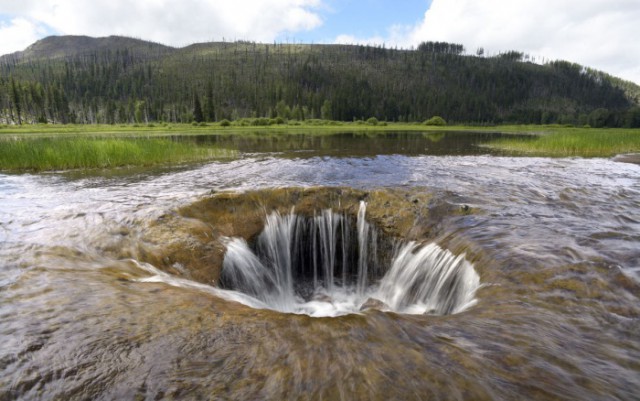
{"x":437,"y":121}
{"x":225,"y":123}
{"x":372,"y":121}
{"x":262,"y":121}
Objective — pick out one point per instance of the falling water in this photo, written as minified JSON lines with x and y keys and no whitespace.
{"x":309,"y":265}
{"x":275,"y":244}
{"x":249,"y":275}
{"x":327,"y":228}
{"x":429,"y":279}
{"x":363,"y":241}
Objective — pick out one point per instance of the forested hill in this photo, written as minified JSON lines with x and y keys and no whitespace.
{"x":123,"y":80}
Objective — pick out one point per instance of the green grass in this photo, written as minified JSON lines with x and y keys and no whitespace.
{"x":568,"y":142}
{"x":239,"y":126}
{"x":42,"y":154}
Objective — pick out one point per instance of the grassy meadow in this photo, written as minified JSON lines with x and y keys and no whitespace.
{"x":62,"y":147}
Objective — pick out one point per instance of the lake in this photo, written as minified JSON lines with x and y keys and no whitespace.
{"x":554,"y":244}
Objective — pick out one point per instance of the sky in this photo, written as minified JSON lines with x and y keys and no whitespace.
{"x":602,"y":34}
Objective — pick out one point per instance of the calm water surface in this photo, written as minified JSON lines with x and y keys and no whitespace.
{"x":556,"y":243}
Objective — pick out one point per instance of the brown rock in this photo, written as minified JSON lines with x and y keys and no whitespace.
{"x":373,"y":303}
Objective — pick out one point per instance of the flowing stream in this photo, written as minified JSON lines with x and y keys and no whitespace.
{"x":535,"y":294}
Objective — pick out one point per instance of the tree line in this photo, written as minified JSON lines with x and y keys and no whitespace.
{"x":130,"y":81}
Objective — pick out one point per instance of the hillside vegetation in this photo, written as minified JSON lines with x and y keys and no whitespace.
{"x":112,"y":80}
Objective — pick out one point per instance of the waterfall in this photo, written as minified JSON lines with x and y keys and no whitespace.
{"x":428,"y":279}
{"x":250,"y":276}
{"x":327,"y":227}
{"x":363,"y":244}
{"x":326,"y":265}
{"x":275,"y":244}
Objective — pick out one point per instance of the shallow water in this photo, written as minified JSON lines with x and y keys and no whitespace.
{"x":291,"y":144}
{"x":556,"y":243}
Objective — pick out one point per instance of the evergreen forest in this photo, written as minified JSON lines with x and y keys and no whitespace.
{"x":119,"y":80}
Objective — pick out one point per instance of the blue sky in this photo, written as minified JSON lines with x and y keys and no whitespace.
{"x":363,"y":19}
{"x":595,"y":33}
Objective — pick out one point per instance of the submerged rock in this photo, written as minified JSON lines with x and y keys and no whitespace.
{"x":321,"y":297}
{"x":373,"y":303}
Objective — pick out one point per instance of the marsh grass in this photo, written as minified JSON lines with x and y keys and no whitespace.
{"x":574,"y":142}
{"x":42,"y":154}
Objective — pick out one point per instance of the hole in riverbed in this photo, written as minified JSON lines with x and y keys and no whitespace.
{"x":332,"y":264}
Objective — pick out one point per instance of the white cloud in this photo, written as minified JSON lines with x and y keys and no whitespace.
{"x":594,"y":33}
{"x":174,"y":22}
{"x":397,"y":35}
{"x":353,"y":40}
{"x":598,"y":34}
{"x":17,"y":34}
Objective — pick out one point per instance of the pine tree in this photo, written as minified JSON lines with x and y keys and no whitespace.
{"x":209,"y":111}
{"x":15,"y":97}
{"x":197,"y":110}
{"x":326,"y":111}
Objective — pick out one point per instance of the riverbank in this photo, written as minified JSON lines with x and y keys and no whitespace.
{"x":316,"y":127}
{"x":311,"y":126}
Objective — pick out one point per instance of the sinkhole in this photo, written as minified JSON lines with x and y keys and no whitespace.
{"x":331,"y":264}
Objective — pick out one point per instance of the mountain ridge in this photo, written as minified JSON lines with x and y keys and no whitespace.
{"x":73,"y":45}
